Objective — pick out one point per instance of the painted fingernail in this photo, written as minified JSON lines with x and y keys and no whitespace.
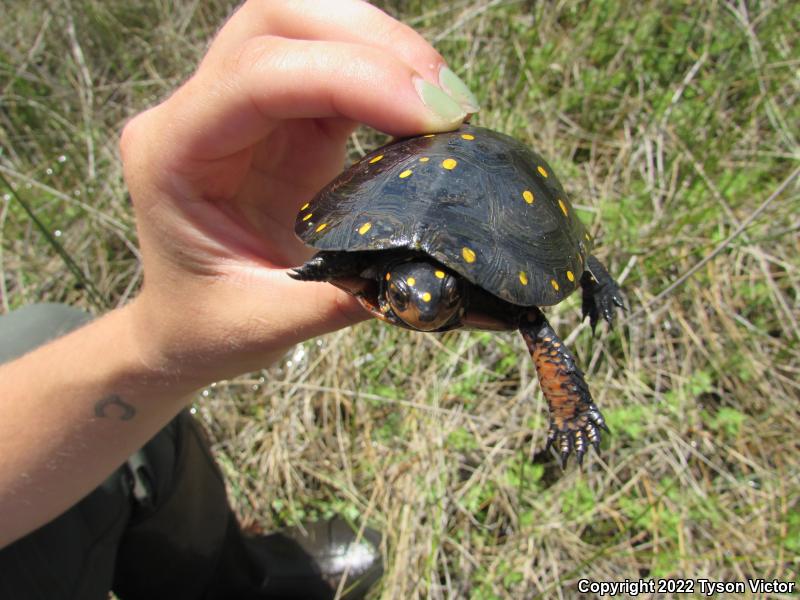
{"x":438,"y":101}
{"x":454,"y":86}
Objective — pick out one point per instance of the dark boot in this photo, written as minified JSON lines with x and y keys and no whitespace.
{"x":188,"y":544}
{"x":322,"y":553}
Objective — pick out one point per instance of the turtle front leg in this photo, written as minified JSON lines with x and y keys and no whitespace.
{"x":575,"y":420}
{"x":341,"y":269}
{"x":327,"y":265}
{"x":600,"y":293}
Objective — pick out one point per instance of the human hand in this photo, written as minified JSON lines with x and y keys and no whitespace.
{"x":218,"y":171}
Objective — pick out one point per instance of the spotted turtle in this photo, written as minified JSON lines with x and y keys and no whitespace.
{"x":468,"y":228}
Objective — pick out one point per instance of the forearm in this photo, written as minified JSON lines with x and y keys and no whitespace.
{"x":72,"y":411}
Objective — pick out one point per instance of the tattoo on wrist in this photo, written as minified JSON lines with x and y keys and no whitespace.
{"x":114,"y":406}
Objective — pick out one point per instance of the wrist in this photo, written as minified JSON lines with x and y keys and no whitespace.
{"x":159,"y":349}
{"x":191,"y":346}
{"x":198,"y":330}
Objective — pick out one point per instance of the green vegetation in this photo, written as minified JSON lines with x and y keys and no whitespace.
{"x":669,"y":123}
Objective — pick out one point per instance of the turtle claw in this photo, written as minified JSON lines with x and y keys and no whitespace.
{"x":597,"y":419}
{"x":313,"y":270}
{"x":574,"y":437}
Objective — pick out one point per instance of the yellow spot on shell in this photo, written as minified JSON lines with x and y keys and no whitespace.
{"x":439,"y":274}
{"x":468,"y":254}
{"x":364,"y":228}
{"x":449,"y":163}
{"x":376,"y":159}
{"x":528,"y":196}
{"x":305,"y":206}
{"x":307,"y":217}
{"x":429,"y":135}
{"x":542,"y":171}
{"x":406,"y":173}
{"x":411,"y":281}
{"x":467,"y":136}
{"x":321,"y":227}
{"x":570,"y":276}
{"x":554,"y":283}
{"x":563,"y":206}
{"x":426,"y":297}
{"x":424,"y":159}
{"x":523,"y":278}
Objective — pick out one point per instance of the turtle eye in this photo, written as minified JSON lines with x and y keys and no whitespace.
{"x":451,"y":294}
{"x":398,"y":296}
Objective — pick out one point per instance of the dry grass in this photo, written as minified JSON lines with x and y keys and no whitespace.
{"x":669,"y":125}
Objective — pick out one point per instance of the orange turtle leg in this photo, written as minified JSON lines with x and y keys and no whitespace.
{"x":575,"y":420}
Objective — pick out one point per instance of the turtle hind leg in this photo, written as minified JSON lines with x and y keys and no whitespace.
{"x":600,"y":293}
{"x":575,"y":420}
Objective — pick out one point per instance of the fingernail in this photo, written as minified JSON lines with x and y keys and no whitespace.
{"x":454,"y":86}
{"x":438,"y":101}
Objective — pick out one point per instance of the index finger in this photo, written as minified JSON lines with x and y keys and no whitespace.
{"x":349,"y":21}
{"x":228,"y":107}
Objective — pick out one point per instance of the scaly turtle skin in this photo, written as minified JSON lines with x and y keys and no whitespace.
{"x":468,"y":228}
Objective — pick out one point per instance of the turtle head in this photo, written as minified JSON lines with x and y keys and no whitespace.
{"x":422,"y":295}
